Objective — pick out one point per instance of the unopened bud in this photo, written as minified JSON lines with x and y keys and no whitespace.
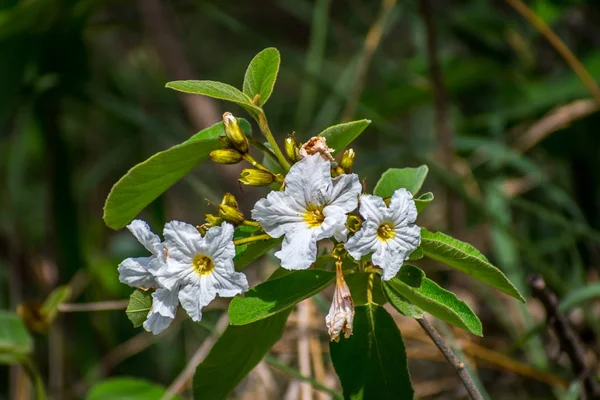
{"x":256,"y":177}
{"x":353,"y":223}
{"x":231,"y":214}
{"x":226,"y":156}
{"x":341,"y":313}
{"x":347,"y":160}
{"x":292,"y":149}
{"x":234,"y":133}
{"x":337,"y":171}
{"x":32,"y":316}
{"x":213,"y":220}
{"x":229,"y":200}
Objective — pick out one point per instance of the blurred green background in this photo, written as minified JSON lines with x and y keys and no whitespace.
{"x":510,"y":133}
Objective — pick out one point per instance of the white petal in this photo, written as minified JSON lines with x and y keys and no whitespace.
{"x":182,"y":240}
{"x":164,"y":308}
{"x":334,"y":224}
{"x":219,"y":243}
{"x":345,"y":191}
{"x":309,"y":180}
{"x":134,"y":272}
{"x":402,"y":207}
{"x":197,"y":295}
{"x":144,"y":235}
{"x":364,"y":241}
{"x":372,"y":208}
{"x":299,"y":248}
{"x":173,"y":273}
{"x":388,"y":260}
{"x":277,"y":212}
{"x":227,"y":283}
{"x":407,"y":239}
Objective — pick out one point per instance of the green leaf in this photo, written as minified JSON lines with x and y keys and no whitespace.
{"x":149,"y":179}
{"x":402,"y":304}
{"x":417,"y":254}
{"x":466,"y":258}
{"x":412,"y":285}
{"x":53,"y":301}
{"x":340,"y":136}
{"x":15,"y":341}
{"x":216,"y":90}
{"x":395,"y":178}
{"x":276,"y":295}
{"x":359,"y":283}
{"x":253,"y":251}
{"x":126,"y":389}
{"x":423,"y":201}
{"x":235,"y":354}
{"x":261,"y":75}
{"x":372,"y":364}
{"x":140,"y":303}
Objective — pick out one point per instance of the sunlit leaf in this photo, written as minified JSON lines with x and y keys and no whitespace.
{"x":395,"y":178}
{"x":340,"y":136}
{"x":261,"y":75}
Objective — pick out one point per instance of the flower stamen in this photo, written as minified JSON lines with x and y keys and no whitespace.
{"x":386,"y":231}
{"x":314,"y":216}
{"x":203,"y":264}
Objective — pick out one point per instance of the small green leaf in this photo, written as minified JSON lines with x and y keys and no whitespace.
{"x":401,"y":303}
{"x":466,"y":258}
{"x":140,"y":303}
{"x":216,"y":90}
{"x":395,"y":178}
{"x":359,"y":283}
{"x":126,"y":389}
{"x":261,"y":75}
{"x":276,"y":295}
{"x":253,"y":251}
{"x":340,"y":136}
{"x":235,"y":354}
{"x":417,"y":254}
{"x":412,"y":285}
{"x":423,"y":201}
{"x":372,"y":363}
{"x":149,"y":179}
{"x":15,"y":341}
{"x":53,"y":301}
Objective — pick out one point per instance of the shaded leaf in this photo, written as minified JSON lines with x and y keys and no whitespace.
{"x":140,"y":303}
{"x":276,"y":295}
{"x":253,"y":251}
{"x":359,"y":283}
{"x":372,"y":363}
{"x":126,"y":389}
{"x":466,"y":258}
{"x":395,"y":178}
{"x":261,"y":75}
{"x":340,"y":136}
{"x":15,"y":341}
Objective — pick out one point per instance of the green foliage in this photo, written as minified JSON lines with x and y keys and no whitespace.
{"x":149,"y":179}
{"x":395,"y":178}
{"x":58,"y":296}
{"x":340,"y":136}
{"x":15,"y":342}
{"x":372,"y":363}
{"x":235,"y":354}
{"x":261,"y":75}
{"x":359,"y":286}
{"x":126,"y":389}
{"x":140,"y":303}
{"x":253,"y":251}
{"x":466,"y":258}
{"x":423,"y":201}
{"x":276,"y":295}
{"x":412,"y":285}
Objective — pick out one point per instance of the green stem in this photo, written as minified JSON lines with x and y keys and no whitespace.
{"x":251,"y":223}
{"x":36,"y":379}
{"x":264,"y":128}
{"x":264,"y":149}
{"x":252,"y":239}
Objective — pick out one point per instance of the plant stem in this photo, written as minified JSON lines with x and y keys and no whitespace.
{"x":99,"y":306}
{"x":264,"y":128}
{"x":252,"y":239}
{"x":441,"y":344}
{"x":251,"y":223}
{"x":258,"y":165}
{"x":36,"y":379}
{"x":264,"y":149}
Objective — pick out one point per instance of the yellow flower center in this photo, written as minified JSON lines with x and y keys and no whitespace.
{"x":203,"y":264}
{"x":385,"y":231}
{"x":314,"y":216}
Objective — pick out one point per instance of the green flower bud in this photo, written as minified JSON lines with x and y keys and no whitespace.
{"x":234,"y":133}
{"x":231,"y":214}
{"x":229,"y":200}
{"x":213,"y":220}
{"x":292,"y":149}
{"x":337,"y":171}
{"x":347,"y":160}
{"x":256,"y":177}
{"x":226,"y":156}
{"x":353,"y":223}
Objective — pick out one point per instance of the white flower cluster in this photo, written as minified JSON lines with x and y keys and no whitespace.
{"x":192,"y":269}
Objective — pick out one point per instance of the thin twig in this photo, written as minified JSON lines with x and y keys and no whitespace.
{"x":569,"y":341}
{"x":441,"y":344}
{"x":182,"y":379}
{"x":98,"y":306}
{"x":559,"y":46}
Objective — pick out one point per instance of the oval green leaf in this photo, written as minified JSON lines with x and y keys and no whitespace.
{"x":340,"y":136}
{"x":126,"y":389}
{"x":466,"y":258}
{"x":261,"y":75}
{"x":395,"y":178}
{"x":140,"y":303}
{"x":276,"y":295}
{"x":412,"y":285}
{"x":15,"y":341}
{"x":372,"y":363}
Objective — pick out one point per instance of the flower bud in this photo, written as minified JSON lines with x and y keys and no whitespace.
{"x":256,"y":177}
{"x":341,"y":313}
{"x":353,"y":223}
{"x":231,"y":214}
{"x":229,"y":200}
{"x":234,"y":133}
{"x":347,"y":160}
{"x":337,"y":171}
{"x":213,"y":220}
{"x":226,"y":156}
{"x":292,"y":149}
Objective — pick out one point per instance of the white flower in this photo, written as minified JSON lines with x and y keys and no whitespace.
{"x":199,"y":267}
{"x":162,"y":313}
{"x":388,"y":232}
{"x":341,"y":313}
{"x":137,"y":272}
{"x":312,"y":207}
